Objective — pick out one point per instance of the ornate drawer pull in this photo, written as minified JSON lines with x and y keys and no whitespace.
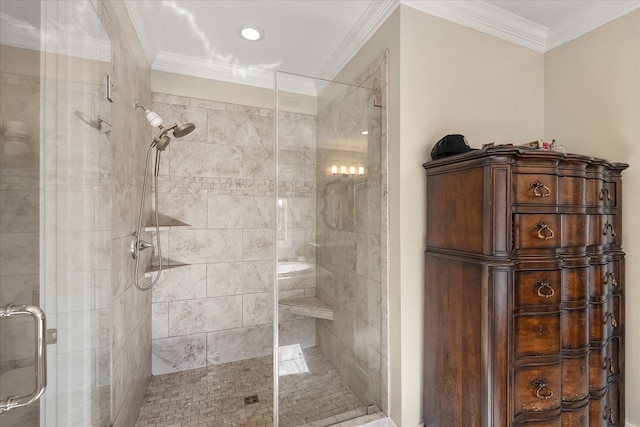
{"x":544,"y":231}
{"x":604,"y":191}
{"x":608,"y":413}
{"x":544,"y":289}
{"x":607,"y":226}
{"x":608,"y":362}
{"x":614,"y":322}
{"x":542,"y":391}
{"x":608,"y":275}
{"x":539,"y":189}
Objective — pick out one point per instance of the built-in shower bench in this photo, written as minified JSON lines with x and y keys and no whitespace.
{"x":310,"y":307}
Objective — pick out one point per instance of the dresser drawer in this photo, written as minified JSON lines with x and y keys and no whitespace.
{"x":604,"y":409}
{"x":551,"y":231}
{"x":535,"y":189}
{"x":604,"y":319}
{"x":604,"y":362}
{"x":598,"y":411}
{"x":598,"y":276}
{"x":575,"y":378}
{"x":534,"y":288}
{"x":605,"y":277}
{"x":531,"y":421}
{"x":575,"y":281}
{"x":612,"y":408}
{"x":572,"y":191}
{"x":537,"y":388}
{"x":601,"y":193}
{"x":536,"y":231}
{"x":576,"y":417}
{"x":575,"y":331}
{"x":536,"y":334}
{"x":575,"y":231}
{"x":603,"y":232}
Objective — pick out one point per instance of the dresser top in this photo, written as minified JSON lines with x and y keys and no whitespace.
{"x":509,"y":153}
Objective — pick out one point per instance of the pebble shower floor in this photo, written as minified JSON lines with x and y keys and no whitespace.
{"x":215,"y":396}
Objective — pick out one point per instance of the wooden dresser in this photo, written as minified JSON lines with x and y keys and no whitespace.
{"x":524,"y":296}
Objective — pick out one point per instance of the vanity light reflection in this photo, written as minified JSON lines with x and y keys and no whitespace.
{"x":347,"y":170}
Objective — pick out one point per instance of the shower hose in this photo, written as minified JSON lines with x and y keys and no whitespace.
{"x":139,"y":229}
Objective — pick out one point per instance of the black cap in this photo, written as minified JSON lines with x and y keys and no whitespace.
{"x":450,"y":145}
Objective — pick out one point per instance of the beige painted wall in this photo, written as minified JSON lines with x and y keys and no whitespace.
{"x":453,"y":80}
{"x":443,"y":78}
{"x":592,"y":106}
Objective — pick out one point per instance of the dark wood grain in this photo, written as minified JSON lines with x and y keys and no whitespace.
{"x":524,"y":290}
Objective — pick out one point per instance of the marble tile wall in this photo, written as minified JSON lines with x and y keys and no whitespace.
{"x":130,"y":136}
{"x":219,"y":180}
{"x":351,"y":234}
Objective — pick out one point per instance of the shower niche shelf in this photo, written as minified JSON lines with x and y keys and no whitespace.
{"x":151,"y":271}
{"x":310,"y":307}
{"x":167,"y":224}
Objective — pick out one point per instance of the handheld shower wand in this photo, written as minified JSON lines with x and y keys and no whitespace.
{"x":160,"y":142}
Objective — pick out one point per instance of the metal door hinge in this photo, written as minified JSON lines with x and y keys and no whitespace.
{"x":52,"y":336}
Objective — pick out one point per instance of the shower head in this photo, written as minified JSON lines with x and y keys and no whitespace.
{"x":183,"y":130}
{"x":163,"y":139}
{"x":97,"y":124}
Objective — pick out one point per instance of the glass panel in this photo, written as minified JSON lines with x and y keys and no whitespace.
{"x":328,"y":263}
{"x":55,"y":208}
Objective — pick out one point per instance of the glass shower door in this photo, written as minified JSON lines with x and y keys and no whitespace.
{"x":329,"y":276}
{"x":55,"y":212}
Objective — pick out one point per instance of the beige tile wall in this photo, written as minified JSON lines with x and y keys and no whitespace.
{"x":220,"y":181}
{"x":131,"y":136}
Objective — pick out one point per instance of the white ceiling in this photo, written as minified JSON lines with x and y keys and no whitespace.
{"x":318,"y":37}
{"x":309,"y":37}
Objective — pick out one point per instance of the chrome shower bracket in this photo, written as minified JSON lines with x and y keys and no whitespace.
{"x":137,"y":245}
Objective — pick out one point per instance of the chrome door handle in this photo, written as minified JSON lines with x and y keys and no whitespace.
{"x":14,"y":402}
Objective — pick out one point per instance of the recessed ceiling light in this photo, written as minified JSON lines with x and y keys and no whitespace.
{"x":251,"y":33}
{"x":365,"y":132}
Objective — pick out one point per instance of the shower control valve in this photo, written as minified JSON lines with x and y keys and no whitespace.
{"x":137,"y":245}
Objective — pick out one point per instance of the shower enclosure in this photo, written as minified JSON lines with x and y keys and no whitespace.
{"x":273,"y":219}
{"x":277,"y":258}
{"x":331,"y":254}
{"x":55,"y":223}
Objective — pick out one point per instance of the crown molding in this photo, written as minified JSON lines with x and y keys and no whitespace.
{"x":228,"y":72}
{"x":148,"y":46}
{"x":497,"y":22}
{"x":20,"y":35}
{"x":589,"y":18}
{"x":373,"y":17}
{"x":488,"y":19}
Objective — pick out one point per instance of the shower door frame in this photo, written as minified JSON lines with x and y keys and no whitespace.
{"x":73,"y":214}
{"x":378,"y":92}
